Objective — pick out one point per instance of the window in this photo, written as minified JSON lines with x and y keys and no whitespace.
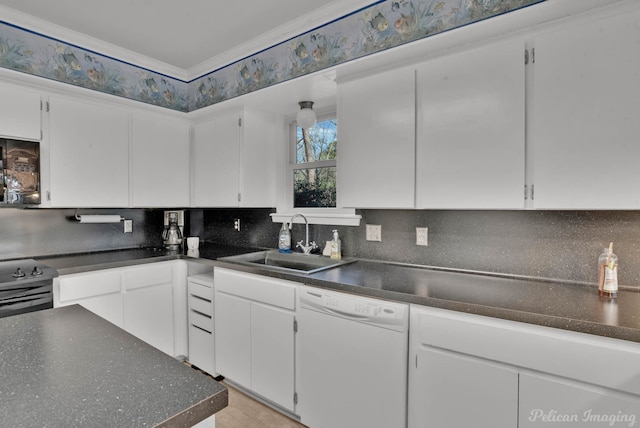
{"x":314,"y":165}
{"x":310,"y":186}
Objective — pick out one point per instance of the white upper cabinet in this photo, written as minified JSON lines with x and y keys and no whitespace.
{"x":19,"y":113}
{"x":159,"y":160}
{"x":376,"y":148}
{"x":233,"y":160}
{"x":89,"y":154}
{"x":471,"y":129}
{"x":585,"y":128}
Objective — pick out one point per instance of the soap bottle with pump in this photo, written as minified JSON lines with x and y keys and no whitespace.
{"x":336,"y":247}
{"x":284,"y":239}
{"x":608,"y":273}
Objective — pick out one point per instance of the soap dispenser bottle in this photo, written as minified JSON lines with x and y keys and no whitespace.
{"x":336,"y":250}
{"x":608,"y":273}
{"x":284,"y":240}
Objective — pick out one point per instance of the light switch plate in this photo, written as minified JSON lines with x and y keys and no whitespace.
{"x":422,"y":236}
{"x":374,"y":232}
{"x":128,"y":226}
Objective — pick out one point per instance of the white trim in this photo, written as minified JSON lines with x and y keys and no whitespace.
{"x":332,"y":216}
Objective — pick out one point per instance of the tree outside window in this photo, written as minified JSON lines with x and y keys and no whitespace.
{"x":314,"y":172}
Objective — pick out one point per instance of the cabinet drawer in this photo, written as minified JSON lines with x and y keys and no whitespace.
{"x":82,"y":286}
{"x":199,"y":320}
{"x":539,"y":348}
{"x":204,"y":306}
{"x":205,"y":279}
{"x":200,"y":291}
{"x":201,"y":349}
{"x":275,"y":292}
{"x":158,"y":273}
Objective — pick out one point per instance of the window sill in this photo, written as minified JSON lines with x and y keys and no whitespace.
{"x":315,"y":217}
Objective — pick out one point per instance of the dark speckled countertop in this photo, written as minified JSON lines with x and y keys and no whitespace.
{"x":575,"y":307}
{"x":67,"y":367}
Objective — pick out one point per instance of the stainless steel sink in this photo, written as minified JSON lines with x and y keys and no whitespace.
{"x":290,"y":262}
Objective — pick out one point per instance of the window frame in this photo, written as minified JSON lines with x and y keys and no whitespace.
{"x":316,"y":215}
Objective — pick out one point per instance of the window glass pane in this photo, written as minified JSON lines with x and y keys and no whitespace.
{"x":316,"y":143}
{"x":314,"y":187}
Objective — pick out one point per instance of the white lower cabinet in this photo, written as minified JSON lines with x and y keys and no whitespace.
{"x":555,"y":402}
{"x":148,"y":304}
{"x":442,"y":383}
{"x":201,"y":344}
{"x":100,"y":292}
{"x":144,"y":300}
{"x":470,"y":370}
{"x":254,"y":334}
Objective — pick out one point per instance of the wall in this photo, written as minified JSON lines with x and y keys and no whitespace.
{"x":545,"y":244}
{"x":38,"y":232}
{"x":561,"y":245}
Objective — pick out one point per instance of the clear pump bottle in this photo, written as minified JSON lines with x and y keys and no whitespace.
{"x":284,"y":239}
{"x":608,"y":273}
{"x":336,"y":246}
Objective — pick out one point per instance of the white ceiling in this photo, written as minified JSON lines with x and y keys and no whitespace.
{"x":187,"y":33}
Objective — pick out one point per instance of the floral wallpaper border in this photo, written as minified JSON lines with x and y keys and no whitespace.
{"x":380,"y":26}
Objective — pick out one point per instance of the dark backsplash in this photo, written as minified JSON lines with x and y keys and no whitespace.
{"x":545,"y":244}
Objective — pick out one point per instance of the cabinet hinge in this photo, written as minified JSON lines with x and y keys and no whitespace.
{"x":295,"y":398}
{"x":48,"y":195}
{"x":526,"y":192}
{"x":532,"y":192}
{"x":295,"y":326}
{"x":239,"y":121}
{"x":239,"y":197}
{"x":530,"y":57}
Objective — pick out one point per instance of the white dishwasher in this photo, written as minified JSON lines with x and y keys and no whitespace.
{"x":352,"y":365}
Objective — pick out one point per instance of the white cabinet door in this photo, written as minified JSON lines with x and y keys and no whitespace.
{"x":546,"y":401}
{"x":148,"y":315}
{"x":216,"y":161}
{"x":376,"y":160}
{"x":89,"y":154}
{"x":471,"y":129}
{"x":159,"y":160}
{"x":234,"y":160}
{"x":272,"y":354}
{"x":259,"y":137}
{"x":232,"y":336}
{"x":451,"y":390}
{"x":19,"y":113}
{"x":148,"y":305}
{"x":585,"y":126}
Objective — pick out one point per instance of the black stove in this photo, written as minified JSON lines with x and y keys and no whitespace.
{"x":26,"y":285}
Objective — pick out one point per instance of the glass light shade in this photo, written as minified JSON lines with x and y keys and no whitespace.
{"x":306,"y":116}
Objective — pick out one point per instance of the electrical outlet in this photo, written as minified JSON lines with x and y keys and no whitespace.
{"x":374,"y":232}
{"x":422,"y":236}
{"x":236,"y":224}
{"x":128,"y":226}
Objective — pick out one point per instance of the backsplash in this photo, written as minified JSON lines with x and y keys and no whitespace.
{"x":39,"y":232}
{"x":561,"y":245}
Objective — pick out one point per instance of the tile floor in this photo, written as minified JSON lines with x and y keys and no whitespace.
{"x":245,"y":412}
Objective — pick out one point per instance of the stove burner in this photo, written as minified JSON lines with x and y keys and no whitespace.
{"x":36,"y":271}
{"x":18,"y":274}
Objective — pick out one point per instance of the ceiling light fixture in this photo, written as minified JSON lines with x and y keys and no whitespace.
{"x":306,"y":116}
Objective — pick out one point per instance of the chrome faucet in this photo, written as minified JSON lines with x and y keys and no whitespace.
{"x":307,"y":246}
